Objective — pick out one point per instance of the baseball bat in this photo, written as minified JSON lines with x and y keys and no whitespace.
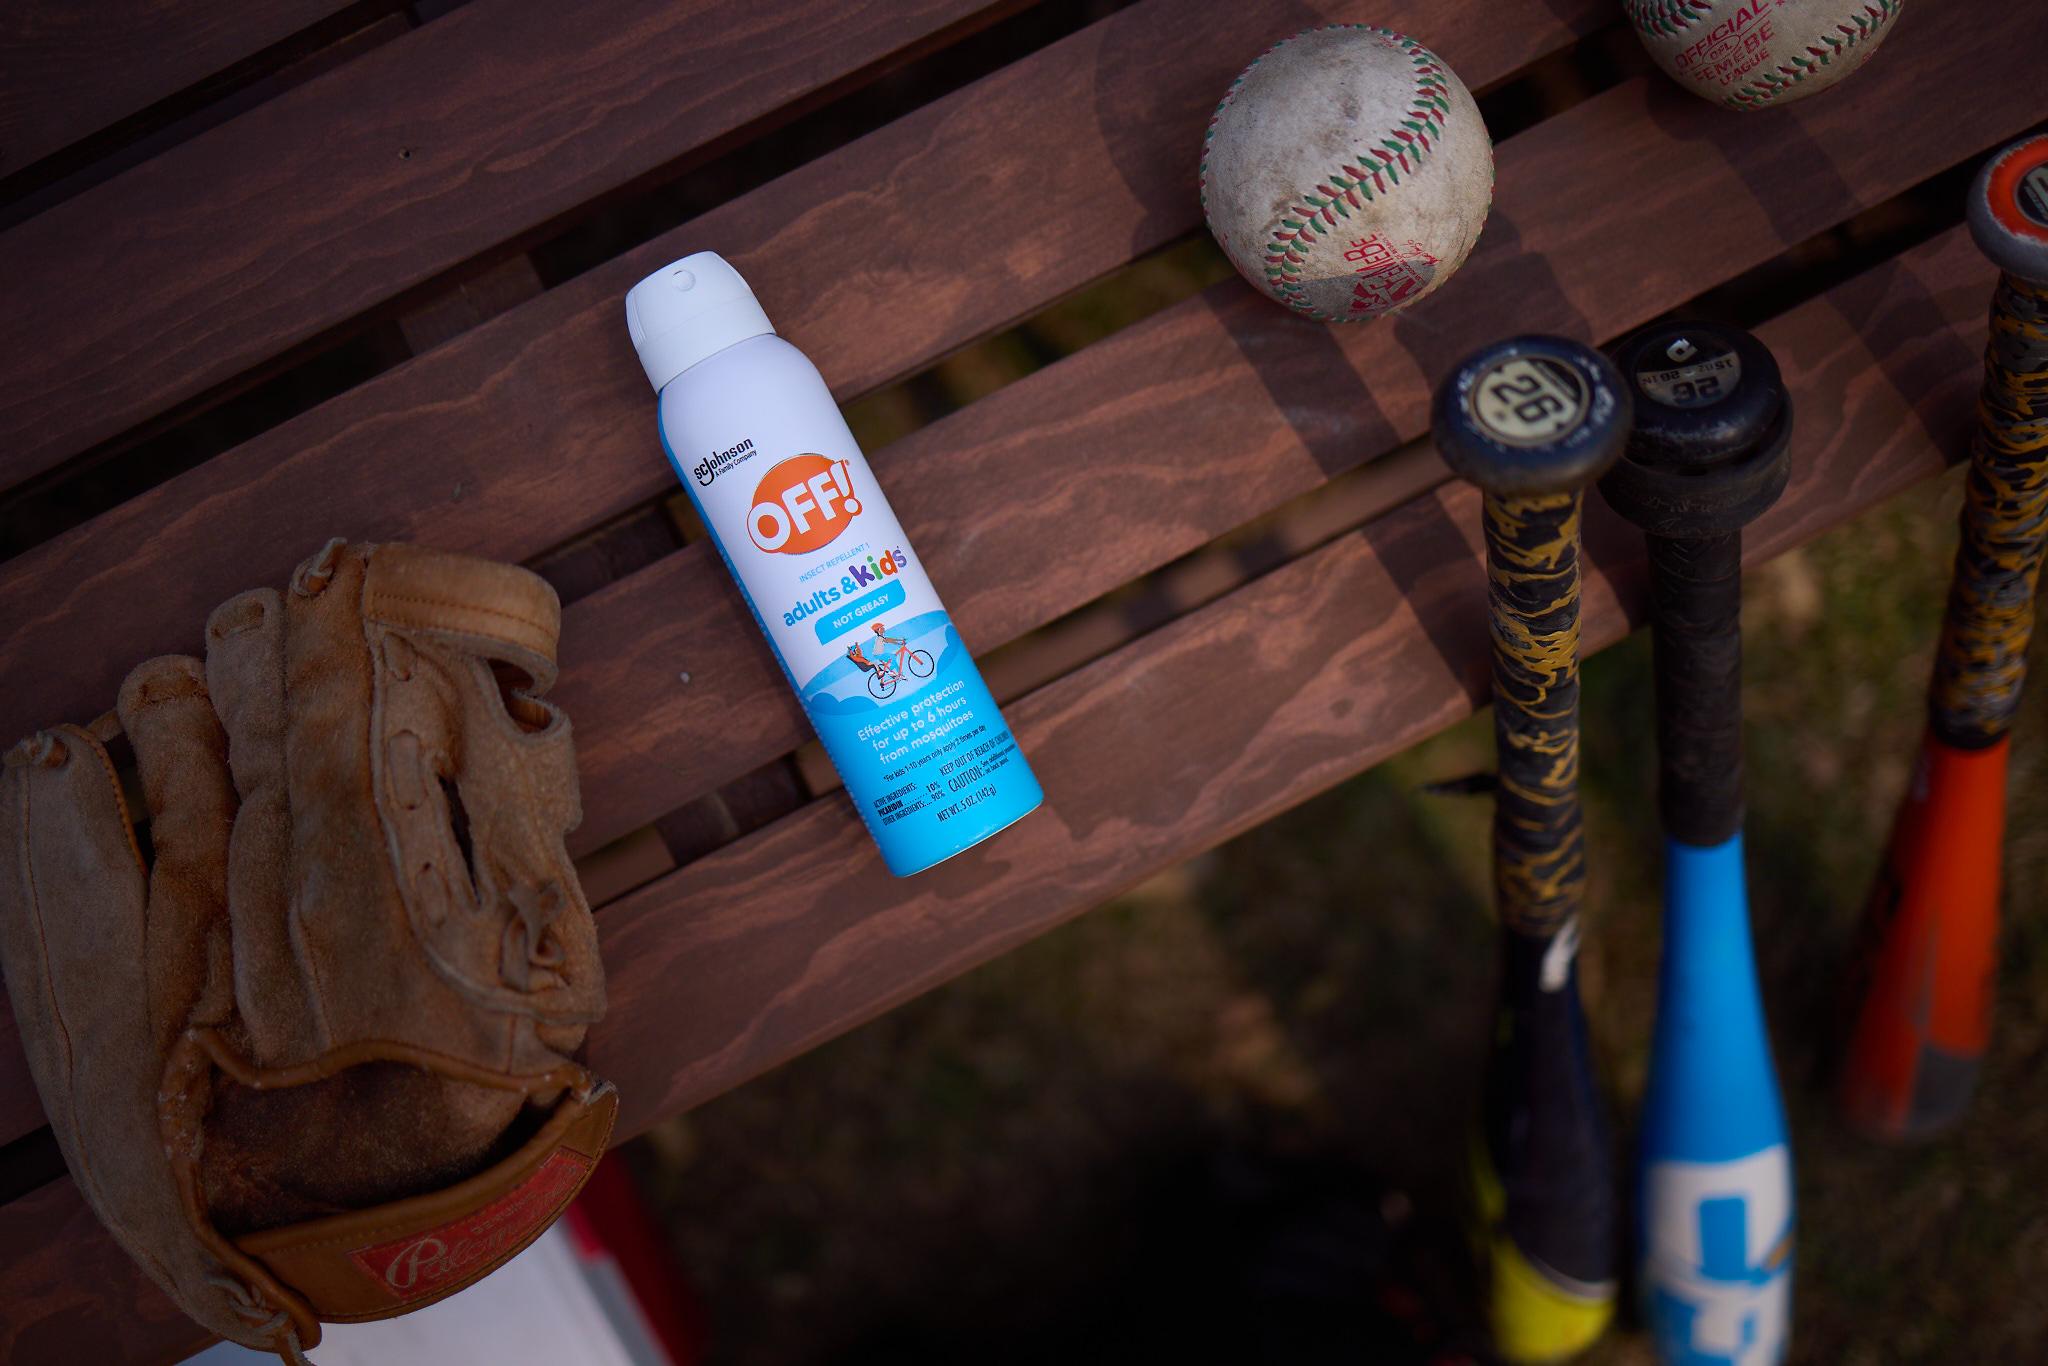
{"x":1925,"y":1017}
{"x":1532,"y":421}
{"x":1709,"y":452}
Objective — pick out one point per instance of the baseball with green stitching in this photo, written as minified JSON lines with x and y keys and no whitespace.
{"x":1756,"y":54}
{"x":1347,"y":172}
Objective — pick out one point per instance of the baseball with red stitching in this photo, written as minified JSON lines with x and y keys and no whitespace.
{"x":1754,"y":54}
{"x":1347,"y":172}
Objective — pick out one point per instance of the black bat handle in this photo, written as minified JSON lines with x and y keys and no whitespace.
{"x":1709,"y":453}
{"x":1696,"y":589}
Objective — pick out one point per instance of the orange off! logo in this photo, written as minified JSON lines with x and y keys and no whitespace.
{"x":802,"y":504}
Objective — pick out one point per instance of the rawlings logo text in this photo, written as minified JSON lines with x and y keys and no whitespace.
{"x":437,"y":1259}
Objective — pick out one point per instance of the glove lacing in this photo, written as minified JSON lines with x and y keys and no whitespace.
{"x":275,"y":1325}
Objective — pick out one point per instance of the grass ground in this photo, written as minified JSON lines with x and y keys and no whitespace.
{"x":1062,"y":1155}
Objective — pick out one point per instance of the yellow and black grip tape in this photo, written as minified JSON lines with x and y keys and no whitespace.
{"x":1532,"y":421}
{"x":1532,"y":565}
{"x":1982,"y":661}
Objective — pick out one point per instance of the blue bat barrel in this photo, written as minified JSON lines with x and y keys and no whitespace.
{"x":1715,"y":1200}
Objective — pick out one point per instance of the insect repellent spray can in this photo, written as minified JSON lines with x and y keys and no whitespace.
{"x":757,"y":440}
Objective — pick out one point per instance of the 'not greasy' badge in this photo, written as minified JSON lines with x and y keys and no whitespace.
{"x":1528,"y":401}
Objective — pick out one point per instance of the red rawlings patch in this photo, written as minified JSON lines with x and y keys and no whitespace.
{"x":422,"y":1264}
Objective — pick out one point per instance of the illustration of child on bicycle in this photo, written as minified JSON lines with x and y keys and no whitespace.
{"x":885,"y":672}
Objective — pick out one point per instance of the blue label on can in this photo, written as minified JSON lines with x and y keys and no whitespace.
{"x":914,"y":731}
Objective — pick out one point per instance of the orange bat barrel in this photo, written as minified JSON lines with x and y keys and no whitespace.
{"x":1925,"y":1019}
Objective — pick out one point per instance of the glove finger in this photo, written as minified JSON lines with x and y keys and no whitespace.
{"x":338,"y":983}
{"x":480,"y":607}
{"x":72,"y":941}
{"x":73,"y":913}
{"x":245,"y":649}
{"x":181,"y":757}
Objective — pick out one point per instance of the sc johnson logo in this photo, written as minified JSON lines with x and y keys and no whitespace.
{"x":802,"y":505}
{"x":719,"y":462}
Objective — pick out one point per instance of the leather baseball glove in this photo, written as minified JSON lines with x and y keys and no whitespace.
{"x":306,"y":1039}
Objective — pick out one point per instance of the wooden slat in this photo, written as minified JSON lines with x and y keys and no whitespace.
{"x":303,"y":59}
{"x":21,"y":1109}
{"x":49,"y":1317}
{"x":513,"y":437}
{"x":1223,"y":566}
{"x":472,"y":302}
{"x":271,"y":229}
{"x":69,"y":68}
{"x":623,"y":865}
{"x":1347,"y":655}
{"x":1215,"y":411}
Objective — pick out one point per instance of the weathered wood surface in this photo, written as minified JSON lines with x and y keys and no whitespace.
{"x":69,"y":68}
{"x":470,"y":132}
{"x":1353,"y":652}
{"x":513,"y":436}
{"x":1218,"y":409}
{"x":48,"y":1314}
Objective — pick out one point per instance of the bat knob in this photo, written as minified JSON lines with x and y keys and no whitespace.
{"x":1711,"y":446}
{"x":2008,"y":209}
{"x":1531,"y":415}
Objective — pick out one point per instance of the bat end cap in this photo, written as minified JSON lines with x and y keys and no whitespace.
{"x":1710,"y":450}
{"x":2008,"y":209}
{"x":1531,"y":415}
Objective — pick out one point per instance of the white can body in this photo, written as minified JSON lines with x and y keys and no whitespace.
{"x":898,"y":703}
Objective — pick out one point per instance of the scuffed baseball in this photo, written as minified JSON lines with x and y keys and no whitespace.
{"x":1347,"y":172}
{"x":1754,"y":54}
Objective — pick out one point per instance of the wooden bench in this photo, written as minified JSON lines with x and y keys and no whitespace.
{"x":282,"y":270}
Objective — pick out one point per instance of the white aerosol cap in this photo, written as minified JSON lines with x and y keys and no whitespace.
{"x":690,"y":310}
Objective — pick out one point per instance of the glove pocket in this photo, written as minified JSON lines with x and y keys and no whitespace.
{"x":401,"y":1256}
